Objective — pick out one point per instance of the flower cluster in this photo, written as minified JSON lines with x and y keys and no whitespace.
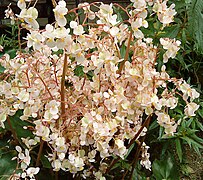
{"x":172,"y":46}
{"x":24,"y":161}
{"x":165,"y":14}
{"x":145,"y":157}
{"x":89,"y":116}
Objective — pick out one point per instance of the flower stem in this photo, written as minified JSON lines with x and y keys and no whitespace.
{"x":40,"y":152}
{"x":145,"y":124}
{"x":63,"y":108}
{"x":12,"y":130}
{"x":137,"y":153}
{"x":126,"y":54}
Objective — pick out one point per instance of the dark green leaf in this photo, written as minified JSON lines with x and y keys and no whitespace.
{"x":7,"y":166}
{"x":12,"y":53}
{"x":179,"y":149}
{"x":45,"y":162}
{"x":195,"y":23}
{"x":138,"y":176}
{"x":165,"y":169}
{"x":153,"y":125}
{"x":79,"y":71}
{"x":2,"y":69}
{"x":161,"y":132}
{"x":18,"y":124}
{"x":129,"y":150}
{"x":122,"y":50}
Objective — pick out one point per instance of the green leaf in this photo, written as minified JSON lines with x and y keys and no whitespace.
{"x":115,"y":166}
{"x":121,"y":15}
{"x":129,"y":150}
{"x":2,"y":69}
{"x":12,"y":53}
{"x":194,"y":142}
{"x":195,"y":23}
{"x":179,"y":149}
{"x":17,"y":124}
{"x":184,"y":38}
{"x":200,"y":112}
{"x":126,"y":165}
{"x":153,"y":125}
{"x":161,"y":132}
{"x":186,"y":169}
{"x":188,"y":123}
{"x":79,"y":71}
{"x":7,"y":166}
{"x":122,"y":50}
{"x":165,"y":169}
{"x":172,"y":31}
{"x":137,"y":176}
{"x":45,"y":162}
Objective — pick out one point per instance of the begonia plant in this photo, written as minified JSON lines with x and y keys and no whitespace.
{"x":90,"y":86}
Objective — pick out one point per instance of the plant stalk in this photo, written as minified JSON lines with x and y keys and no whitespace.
{"x":137,"y":154}
{"x":63,"y":107}
{"x":146,"y":122}
{"x":40,"y":152}
{"x":126,"y":54}
{"x":12,"y":130}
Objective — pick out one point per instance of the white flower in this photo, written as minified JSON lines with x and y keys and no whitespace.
{"x":21,"y":4}
{"x":42,"y":131}
{"x":23,"y":96}
{"x":73,"y":24}
{"x":78,"y":30}
{"x":172,"y":46}
{"x":139,"y":4}
{"x":56,"y":164}
{"x":25,"y":158}
{"x":139,"y":22}
{"x":120,"y":147}
{"x":60,"y":141}
{"x":1,"y":48}
{"x":165,"y":14}
{"x":106,"y":10}
{"x":31,"y":171}
{"x":3,"y":118}
{"x":35,"y":39}
{"x":190,"y":109}
{"x":60,"y":11}
{"x":30,"y":15}
{"x":114,"y":31}
{"x":188,"y":91}
{"x":163,"y":119}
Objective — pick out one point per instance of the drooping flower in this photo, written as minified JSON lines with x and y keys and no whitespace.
{"x":191,"y":108}
{"x":35,"y":40}
{"x":21,"y":4}
{"x":60,"y":11}
{"x":172,"y":46}
{"x":29,"y":16}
